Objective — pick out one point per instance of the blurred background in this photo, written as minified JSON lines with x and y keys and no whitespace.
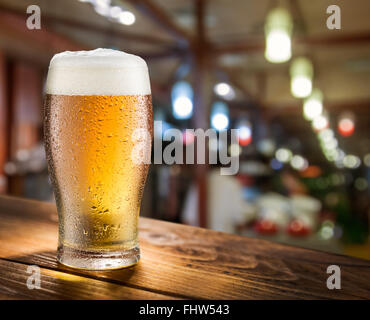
{"x":297,"y":91}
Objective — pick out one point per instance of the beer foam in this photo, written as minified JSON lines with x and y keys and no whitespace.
{"x":97,"y":72}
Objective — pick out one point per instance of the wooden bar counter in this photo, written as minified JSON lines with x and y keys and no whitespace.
{"x":178,"y":262}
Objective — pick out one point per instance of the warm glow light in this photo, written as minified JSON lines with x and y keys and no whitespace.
{"x":336,"y":155}
{"x":320,"y":123}
{"x":278,"y":29}
{"x":102,"y":7}
{"x":301,"y":72}
{"x":330,"y":144}
{"x":299,"y":163}
{"x":327,"y":232}
{"x":331,"y":154}
{"x":283,"y":155}
{"x":127,"y":18}
{"x":352,"y":162}
{"x":102,"y":3}
{"x":301,"y":86}
{"x":224,"y":90}
{"x":278,"y":47}
{"x":115,"y":12}
{"x":312,"y":106}
{"x":326,"y":135}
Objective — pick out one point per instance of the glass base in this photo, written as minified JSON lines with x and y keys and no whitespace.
{"x":93,"y":260}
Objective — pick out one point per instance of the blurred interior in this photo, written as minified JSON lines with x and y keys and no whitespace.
{"x":303,"y":178}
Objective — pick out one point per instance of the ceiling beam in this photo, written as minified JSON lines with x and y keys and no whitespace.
{"x":358,"y":106}
{"x":160,"y":17}
{"x":235,"y":80}
{"x":50,"y":20}
{"x":167,"y":53}
{"x":294,"y":112}
{"x":42,"y":44}
{"x":250,"y":46}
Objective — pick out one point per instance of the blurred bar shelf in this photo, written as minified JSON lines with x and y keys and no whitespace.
{"x":178,"y":262}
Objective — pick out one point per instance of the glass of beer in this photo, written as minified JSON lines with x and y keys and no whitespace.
{"x":98,"y":134}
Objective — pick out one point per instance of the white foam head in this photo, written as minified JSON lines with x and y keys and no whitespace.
{"x":97,"y":72}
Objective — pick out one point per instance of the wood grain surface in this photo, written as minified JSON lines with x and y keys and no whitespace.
{"x":178,"y":262}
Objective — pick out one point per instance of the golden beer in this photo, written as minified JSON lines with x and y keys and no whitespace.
{"x":90,"y":143}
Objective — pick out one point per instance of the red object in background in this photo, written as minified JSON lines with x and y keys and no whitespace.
{"x":311,"y":172}
{"x":265,"y":227}
{"x":298,"y":228}
{"x":244,"y":142}
{"x":346,"y":127}
{"x":245,"y":180}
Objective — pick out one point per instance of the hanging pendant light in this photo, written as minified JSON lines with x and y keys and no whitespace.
{"x":301,"y":72}
{"x":182,"y":100}
{"x":313,"y":105}
{"x":220,"y":116}
{"x":278,"y":31}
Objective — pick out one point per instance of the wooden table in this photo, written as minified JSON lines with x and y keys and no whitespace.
{"x":178,"y":262}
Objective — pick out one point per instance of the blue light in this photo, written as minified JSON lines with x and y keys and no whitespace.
{"x":182,"y":100}
{"x":276,"y":164}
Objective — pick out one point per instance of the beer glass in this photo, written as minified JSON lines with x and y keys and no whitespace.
{"x":96,"y":103}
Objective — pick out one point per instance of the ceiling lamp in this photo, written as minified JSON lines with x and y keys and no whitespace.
{"x":220,"y":116}
{"x":320,"y":123}
{"x":283,"y":155}
{"x":298,"y":163}
{"x":224,"y":90}
{"x":312,"y":106}
{"x":182,"y":100}
{"x":116,"y":13}
{"x":351,"y":162}
{"x":278,"y":30}
{"x":301,"y":72}
{"x":127,"y":18}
